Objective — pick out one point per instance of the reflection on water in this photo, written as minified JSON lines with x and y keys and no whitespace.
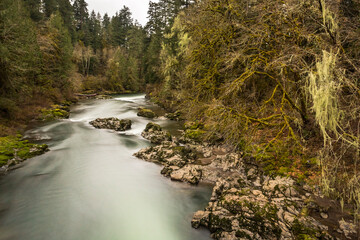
{"x":89,"y":186}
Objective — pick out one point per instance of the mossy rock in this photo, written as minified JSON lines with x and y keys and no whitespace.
{"x":153,"y":127}
{"x":194,"y":125}
{"x":55,"y":112}
{"x":303,"y":232}
{"x":217,"y":223}
{"x":144,"y":112}
{"x":14,"y":146}
{"x":196,"y":135}
{"x":176,"y":116}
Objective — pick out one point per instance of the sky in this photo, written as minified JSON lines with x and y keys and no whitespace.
{"x":138,"y":8}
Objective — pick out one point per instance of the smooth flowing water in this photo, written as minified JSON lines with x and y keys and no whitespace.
{"x":90,"y":187}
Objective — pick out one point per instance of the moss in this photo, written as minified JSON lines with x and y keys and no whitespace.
{"x":13,"y":146}
{"x":144,"y":112}
{"x":194,"y":134}
{"x":153,"y":126}
{"x":218,"y":224}
{"x":194,"y":125}
{"x":242,"y":235}
{"x":256,"y":218}
{"x":302,"y":232}
{"x":176,"y":116}
{"x":55,"y":112}
{"x":241,"y":183}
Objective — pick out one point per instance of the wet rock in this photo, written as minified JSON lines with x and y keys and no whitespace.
{"x":144,"y":112}
{"x":198,"y":218}
{"x":112,"y":123}
{"x":155,"y":134}
{"x":347,"y":228}
{"x":190,"y":173}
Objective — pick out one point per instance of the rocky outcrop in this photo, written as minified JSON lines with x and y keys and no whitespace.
{"x":245,"y":204}
{"x":54,"y":112}
{"x":241,"y":209}
{"x":176,"y":116}
{"x":155,"y":134}
{"x":112,"y":123}
{"x":144,"y":112}
{"x":16,"y":153}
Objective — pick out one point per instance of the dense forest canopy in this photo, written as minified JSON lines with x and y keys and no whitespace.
{"x":278,"y":80}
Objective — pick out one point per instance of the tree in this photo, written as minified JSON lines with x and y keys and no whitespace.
{"x":120,"y":25}
{"x":81,"y":19}
{"x":56,"y":48}
{"x":95,"y":30}
{"x":67,"y":14}
{"x":34,"y":7}
{"x":18,"y":38}
{"x":50,"y":6}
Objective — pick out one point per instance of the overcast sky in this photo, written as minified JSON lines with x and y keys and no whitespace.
{"x":138,"y":8}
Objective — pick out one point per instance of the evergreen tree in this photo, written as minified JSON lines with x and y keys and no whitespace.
{"x":50,"y":6}
{"x":67,"y":14}
{"x":57,"y":52}
{"x":34,"y":7}
{"x":120,"y":25}
{"x":81,"y":21}
{"x":95,"y":30}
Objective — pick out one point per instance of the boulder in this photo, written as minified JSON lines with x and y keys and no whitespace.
{"x":112,"y":123}
{"x":189,"y":173}
{"x":176,"y":116}
{"x":155,"y":134}
{"x":144,"y":112}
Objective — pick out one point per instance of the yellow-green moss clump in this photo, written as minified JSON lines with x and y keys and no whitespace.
{"x":55,"y":112}
{"x":14,"y":148}
{"x":144,"y":112}
{"x":194,"y":131}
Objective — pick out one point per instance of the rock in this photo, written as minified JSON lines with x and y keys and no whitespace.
{"x":347,"y":228}
{"x":144,"y":112}
{"x":176,"y":116}
{"x":190,"y":173}
{"x":198,"y":217}
{"x":112,"y":123}
{"x":324,"y":215}
{"x":155,"y":134}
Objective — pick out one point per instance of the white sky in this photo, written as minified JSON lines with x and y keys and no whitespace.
{"x":138,"y":8}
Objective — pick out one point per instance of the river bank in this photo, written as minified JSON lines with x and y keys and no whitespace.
{"x":245,"y":202}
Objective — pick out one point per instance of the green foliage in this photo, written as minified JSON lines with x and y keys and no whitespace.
{"x":17,"y":74}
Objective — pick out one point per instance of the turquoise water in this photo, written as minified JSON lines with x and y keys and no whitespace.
{"x":89,"y":186}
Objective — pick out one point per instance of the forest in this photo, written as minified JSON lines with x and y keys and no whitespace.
{"x":54,"y":48}
{"x":276,"y":80}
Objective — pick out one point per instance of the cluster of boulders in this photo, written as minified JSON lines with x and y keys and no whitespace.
{"x":112,"y":123}
{"x":245,"y":204}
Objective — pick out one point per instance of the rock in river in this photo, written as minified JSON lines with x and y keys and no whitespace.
{"x":155,"y":134}
{"x":144,"y":112}
{"x":112,"y":123}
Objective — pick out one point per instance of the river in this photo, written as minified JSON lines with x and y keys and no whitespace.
{"x":90,"y":187}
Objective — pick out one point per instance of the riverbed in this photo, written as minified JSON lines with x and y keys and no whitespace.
{"x":90,"y":186}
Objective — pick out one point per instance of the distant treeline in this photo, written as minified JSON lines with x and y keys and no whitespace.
{"x":50,"y":49}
